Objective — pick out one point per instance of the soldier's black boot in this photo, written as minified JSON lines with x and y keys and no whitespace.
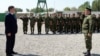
{"x":32,"y":32}
{"x":25,"y":32}
{"x":88,"y":53}
{"x":39,"y":33}
{"x":54,"y":32}
{"x":46,"y":32}
{"x":66,"y":32}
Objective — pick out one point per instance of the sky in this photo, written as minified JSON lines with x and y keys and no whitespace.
{"x":56,"y":4}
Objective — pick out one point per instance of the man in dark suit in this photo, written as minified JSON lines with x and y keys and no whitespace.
{"x":10,"y":30}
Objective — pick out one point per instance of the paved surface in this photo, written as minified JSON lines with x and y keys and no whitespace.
{"x":49,"y":45}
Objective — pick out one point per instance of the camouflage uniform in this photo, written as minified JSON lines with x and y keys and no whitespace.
{"x":87,"y":28}
{"x":95,"y":23}
{"x":39,"y":24}
{"x":47,"y":24}
{"x":25,"y":20}
{"x":81,"y":21}
{"x":77,"y":24}
{"x":51,"y":24}
{"x":54,"y":25}
{"x":61,"y":24}
{"x":98,"y":29}
{"x":32,"y":24}
{"x":66,"y":25}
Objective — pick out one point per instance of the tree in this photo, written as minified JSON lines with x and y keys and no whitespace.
{"x":51,"y":9}
{"x":73,"y":9}
{"x":19,"y":9}
{"x":67,"y":9}
{"x":96,"y":5}
{"x":37,"y":10}
{"x":33,"y":10}
{"x":28,"y":10}
{"x":83,"y":6}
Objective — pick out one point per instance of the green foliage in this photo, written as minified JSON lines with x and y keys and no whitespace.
{"x":51,"y":9}
{"x":96,"y":5}
{"x":83,"y":6}
{"x":67,"y":9}
{"x":19,"y":9}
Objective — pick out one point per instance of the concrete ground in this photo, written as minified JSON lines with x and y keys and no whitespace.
{"x":49,"y":45}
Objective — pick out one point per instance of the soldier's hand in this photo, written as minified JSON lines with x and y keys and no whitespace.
{"x":89,"y":34}
{"x":9,"y":34}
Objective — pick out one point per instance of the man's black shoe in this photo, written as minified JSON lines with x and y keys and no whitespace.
{"x":9,"y":55}
{"x":54,"y":32}
{"x":47,"y":33}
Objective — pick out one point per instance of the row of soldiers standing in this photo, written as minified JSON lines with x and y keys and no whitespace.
{"x":33,"y":21}
{"x":65,"y":23}
{"x":96,"y":27}
{"x":57,"y":23}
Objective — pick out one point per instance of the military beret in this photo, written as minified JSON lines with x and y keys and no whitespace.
{"x":88,"y":8}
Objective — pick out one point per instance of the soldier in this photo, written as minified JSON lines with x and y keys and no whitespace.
{"x":39,"y":24}
{"x":58,"y":19}
{"x":66,"y":26}
{"x":25,"y":20}
{"x":98,"y":29}
{"x":82,"y":16}
{"x":95,"y":22}
{"x":51,"y":23}
{"x":77,"y":24}
{"x":70,"y":23}
{"x":47,"y":24}
{"x":73,"y":23}
{"x":54,"y":25}
{"x":87,"y":29}
{"x":32,"y":23}
{"x":60,"y":23}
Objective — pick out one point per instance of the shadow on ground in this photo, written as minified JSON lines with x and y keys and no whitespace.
{"x":27,"y":55}
{"x":51,"y":34}
{"x":95,"y":54}
{"x":2,"y":34}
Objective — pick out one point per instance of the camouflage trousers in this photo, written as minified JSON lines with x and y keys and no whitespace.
{"x":25,"y":27}
{"x":88,"y":41}
{"x":32,"y":27}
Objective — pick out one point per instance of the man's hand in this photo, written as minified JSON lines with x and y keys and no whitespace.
{"x":9,"y":34}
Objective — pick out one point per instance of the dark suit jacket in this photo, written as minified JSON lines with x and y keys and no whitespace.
{"x":10,"y":24}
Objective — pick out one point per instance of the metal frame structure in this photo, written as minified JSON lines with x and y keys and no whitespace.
{"x":41,"y":5}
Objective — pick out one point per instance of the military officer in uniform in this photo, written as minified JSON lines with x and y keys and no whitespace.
{"x":69,"y":23}
{"x":72,"y":23}
{"x":95,"y":22}
{"x":66,"y":21}
{"x":82,"y":16}
{"x":60,"y":23}
{"x":98,"y":29}
{"x":77,"y":23}
{"x":87,"y":29}
{"x":58,"y":19}
{"x":47,"y":24}
{"x":25,"y":20}
{"x":54,"y":21}
{"x":51,"y":23}
{"x":32,"y":23}
{"x":39,"y":24}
